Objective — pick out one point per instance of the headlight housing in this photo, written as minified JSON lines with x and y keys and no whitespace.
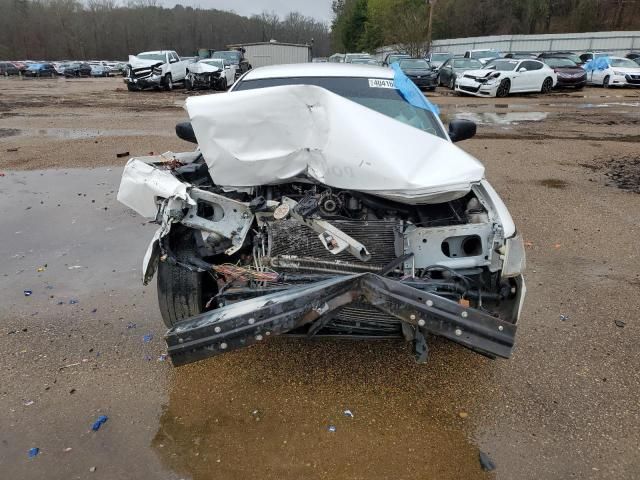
{"x":513,"y":255}
{"x":156,"y":71}
{"x":617,"y":72}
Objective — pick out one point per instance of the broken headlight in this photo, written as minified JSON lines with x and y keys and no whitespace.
{"x":156,"y":71}
{"x":514,"y":261}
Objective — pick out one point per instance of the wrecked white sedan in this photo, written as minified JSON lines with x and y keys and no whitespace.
{"x":504,"y":76}
{"x":330,"y":202}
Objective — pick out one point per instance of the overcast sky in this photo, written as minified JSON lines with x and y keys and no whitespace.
{"x":319,"y":9}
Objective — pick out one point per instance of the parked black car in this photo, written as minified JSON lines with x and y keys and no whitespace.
{"x":570,"y":55}
{"x":77,"y":69}
{"x":569,"y":73}
{"x":40,"y":70}
{"x":420,"y":72}
{"x":391,"y":58}
{"x":8,"y":68}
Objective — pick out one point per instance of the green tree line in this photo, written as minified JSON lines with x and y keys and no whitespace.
{"x":104,"y":29}
{"x":364,"y":25}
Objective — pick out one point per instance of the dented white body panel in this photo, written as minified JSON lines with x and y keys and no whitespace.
{"x":273,"y":135}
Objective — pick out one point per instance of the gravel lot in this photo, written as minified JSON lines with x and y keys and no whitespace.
{"x":565,"y":406}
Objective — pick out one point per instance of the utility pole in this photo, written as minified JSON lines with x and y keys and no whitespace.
{"x":430,"y":4}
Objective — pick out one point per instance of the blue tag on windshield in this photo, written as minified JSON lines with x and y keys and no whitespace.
{"x":410,"y":92}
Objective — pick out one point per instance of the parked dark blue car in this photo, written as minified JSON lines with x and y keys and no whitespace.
{"x":40,"y":70}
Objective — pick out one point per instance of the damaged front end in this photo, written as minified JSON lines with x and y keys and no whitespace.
{"x":238,"y":264}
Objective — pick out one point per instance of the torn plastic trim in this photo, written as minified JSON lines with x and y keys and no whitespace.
{"x":251,"y":321}
{"x":143,"y":185}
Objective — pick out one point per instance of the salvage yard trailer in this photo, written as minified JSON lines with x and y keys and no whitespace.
{"x":264,"y":54}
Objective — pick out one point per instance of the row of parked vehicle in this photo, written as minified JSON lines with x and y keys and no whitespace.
{"x":30,"y":68}
{"x":216,"y":70}
{"x":487,"y":73}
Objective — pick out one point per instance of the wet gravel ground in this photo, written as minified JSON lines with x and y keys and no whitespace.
{"x":87,"y":341}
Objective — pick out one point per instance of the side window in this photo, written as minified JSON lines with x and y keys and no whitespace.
{"x":585,"y":57}
{"x":529,"y":65}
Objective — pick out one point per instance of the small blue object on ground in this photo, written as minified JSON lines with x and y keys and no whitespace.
{"x":98,"y":423}
{"x":147,"y":338}
{"x":33,"y":452}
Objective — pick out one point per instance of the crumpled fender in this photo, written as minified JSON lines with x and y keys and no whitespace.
{"x":143,"y":184}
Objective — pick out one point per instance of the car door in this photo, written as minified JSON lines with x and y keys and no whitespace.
{"x":598,"y":74}
{"x":537,"y":75}
{"x":521,"y":78}
{"x":445,"y":72}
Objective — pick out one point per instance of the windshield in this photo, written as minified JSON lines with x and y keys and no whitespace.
{"x":484,"y":54}
{"x":503,"y":65}
{"x":571,"y":56}
{"x":214,"y":62}
{"x":623,"y":62}
{"x":560,"y":62}
{"x":233,"y":57}
{"x":415,"y":64}
{"x":383,"y":100}
{"x":160,"y":57}
{"x":469,"y":63}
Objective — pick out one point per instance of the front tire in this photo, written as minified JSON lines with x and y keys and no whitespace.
{"x":606,"y":82}
{"x":223,"y":85}
{"x":452,"y":83}
{"x":547,"y":85}
{"x":168,"y":82}
{"x":180,"y":291}
{"x":504,"y":88}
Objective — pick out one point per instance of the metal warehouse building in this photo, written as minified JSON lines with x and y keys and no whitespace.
{"x":274,"y":53}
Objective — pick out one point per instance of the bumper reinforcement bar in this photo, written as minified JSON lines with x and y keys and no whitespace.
{"x":251,"y":321}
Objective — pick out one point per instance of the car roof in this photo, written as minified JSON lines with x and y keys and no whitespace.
{"x":156,"y":51}
{"x":319,"y":70}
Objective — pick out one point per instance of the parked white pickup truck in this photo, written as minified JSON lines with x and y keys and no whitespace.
{"x":162,"y":68}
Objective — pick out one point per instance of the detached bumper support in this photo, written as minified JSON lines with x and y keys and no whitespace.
{"x":251,"y":321}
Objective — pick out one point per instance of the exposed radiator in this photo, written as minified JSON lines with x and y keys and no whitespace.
{"x":295,"y":246}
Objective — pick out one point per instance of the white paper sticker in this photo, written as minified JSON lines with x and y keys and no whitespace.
{"x":380,"y":83}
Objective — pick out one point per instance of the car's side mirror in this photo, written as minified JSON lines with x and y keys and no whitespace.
{"x":461,"y":130}
{"x":522,"y":69}
{"x":184,"y":130}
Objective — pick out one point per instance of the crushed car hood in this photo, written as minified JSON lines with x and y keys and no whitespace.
{"x":272,"y":135}
{"x":136,"y":62}
{"x":480,"y":73}
{"x":203,"y":68}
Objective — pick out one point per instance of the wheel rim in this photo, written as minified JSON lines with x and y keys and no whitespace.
{"x":503,"y":89}
{"x":547,"y":85}
{"x":452,"y":84}
{"x":605,"y":84}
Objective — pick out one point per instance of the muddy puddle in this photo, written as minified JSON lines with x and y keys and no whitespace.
{"x":80,"y":133}
{"x":554,"y":183}
{"x":622,"y":172}
{"x":278,"y":411}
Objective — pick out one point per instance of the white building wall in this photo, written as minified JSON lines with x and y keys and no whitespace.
{"x":276,"y":54}
{"x":616,"y":43}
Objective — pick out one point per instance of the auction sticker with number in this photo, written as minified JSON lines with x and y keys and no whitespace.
{"x":380,"y":83}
